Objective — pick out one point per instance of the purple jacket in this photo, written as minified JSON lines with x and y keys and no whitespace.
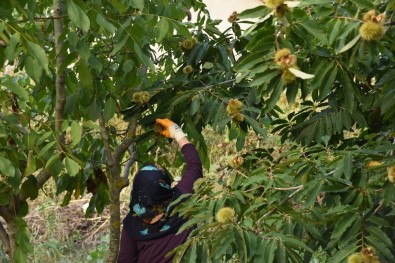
{"x":154,"y":251}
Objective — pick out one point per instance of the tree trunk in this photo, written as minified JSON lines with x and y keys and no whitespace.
{"x":115,"y":225}
{"x":116,"y":182}
{"x":5,"y":239}
{"x":12,"y":229}
{"x":8,"y":235}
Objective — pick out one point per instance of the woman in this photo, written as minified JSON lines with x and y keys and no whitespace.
{"x":149,"y":232}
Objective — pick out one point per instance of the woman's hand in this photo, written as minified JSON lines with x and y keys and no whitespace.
{"x":172,"y":130}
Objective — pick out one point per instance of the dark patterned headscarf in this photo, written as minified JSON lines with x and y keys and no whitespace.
{"x":151,"y":196}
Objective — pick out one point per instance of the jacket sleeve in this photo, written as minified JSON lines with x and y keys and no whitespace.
{"x":193,"y":169}
{"x":128,"y":249}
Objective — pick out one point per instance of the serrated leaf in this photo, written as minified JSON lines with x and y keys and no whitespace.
{"x":270,"y":251}
{"x":300,"y":74}
{"x":6,"y":167}
{"x":342,"y":226}
{"x":312,"y":28}
{"x":76,"y":133}
{"x":255,"y":125}
{"x":325,"y":87}
{"x":78,"y":16}
{"x":17,"y":89}
{"x":339,"y":256}
{"x":72,"y":166}
{"x":294,"y":241}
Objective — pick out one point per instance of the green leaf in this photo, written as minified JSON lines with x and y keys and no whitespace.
{"x":45,"y":149}
{"x":255,"y":125}
{"x":182,"y":29}
{"x":296,"y":242}
{"x":52,"y":160}
{"x":363,"y":3}
{"x":139,"y":4}
{"x":313,"y":28}
{"x":380,"y":235}
{"x":270,"y":251}
{"x":11,"y":51}
{"x":102,"y":21}
{"x":76,"y":133}
{"x":314,"y":193}
{"x":339,"y":256}
{"x":17,"y":89}
{"x":119,"y":45}
{"x":109,"y":108}
{"x":72,"y":166}
{"x":30,"y":188}
{"x":348,"y":91}
{"x":342,"y":225}
{"x":31,"y":163}
{"x":163,"y":28}
{"x":33,"y":69}
{"x":6,"y":167}
{"x":263,"y":78}
{"x":349,"y":44}
{"x":39,"y":54}
{"x":143,"y":57}
{"x":85,"y":73}
{"x":258,"y":11}
{"x":335,"y":31}
{"x":325,"y":88}
{"x":300,"y":74}
{"x":78,"y":16}
{"x":347,"y":165}
{"x":43,"y":138}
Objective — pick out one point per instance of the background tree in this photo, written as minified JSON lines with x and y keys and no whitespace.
{"x":330,"y":195}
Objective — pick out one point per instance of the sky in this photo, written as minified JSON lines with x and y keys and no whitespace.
{"x":222,"y":9}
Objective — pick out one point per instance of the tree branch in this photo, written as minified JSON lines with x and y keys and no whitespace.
{"x":131,"y":133}
{"x":123,"y":147}
{"x":60,"y":77}
{"x":107,"y":148}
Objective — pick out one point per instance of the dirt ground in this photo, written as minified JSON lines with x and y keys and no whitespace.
{"x":50,"y":220}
